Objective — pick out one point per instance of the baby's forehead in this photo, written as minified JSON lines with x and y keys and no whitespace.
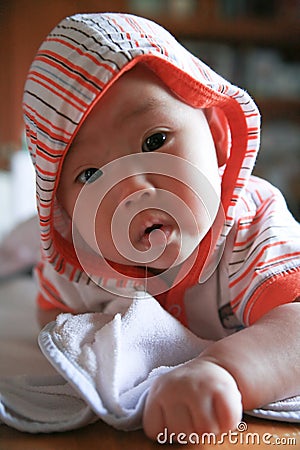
{"x":137,"y":91}
{"x":138,"y":85}
{"x":138,"y":99}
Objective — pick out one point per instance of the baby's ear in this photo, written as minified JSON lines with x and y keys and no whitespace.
{"x":220,"y":131}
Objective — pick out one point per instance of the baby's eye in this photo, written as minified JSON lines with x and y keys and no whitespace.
{"x":89,"y":175}
{"x":154,"y":142}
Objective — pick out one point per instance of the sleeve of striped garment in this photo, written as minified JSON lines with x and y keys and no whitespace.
{"x":56,"y":292}
{"x":264,"y":267}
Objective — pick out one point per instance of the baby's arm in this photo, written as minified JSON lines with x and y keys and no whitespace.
{"x":248,"y":369}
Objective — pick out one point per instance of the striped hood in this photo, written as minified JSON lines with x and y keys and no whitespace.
{"x":77,"y":62}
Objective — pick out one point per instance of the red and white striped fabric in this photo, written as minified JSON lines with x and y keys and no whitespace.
{"x":81,"y":57}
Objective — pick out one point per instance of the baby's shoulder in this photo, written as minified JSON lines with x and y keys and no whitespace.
{"x":260,"y":192}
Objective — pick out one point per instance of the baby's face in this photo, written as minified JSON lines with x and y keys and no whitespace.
{"x":158,"y":188}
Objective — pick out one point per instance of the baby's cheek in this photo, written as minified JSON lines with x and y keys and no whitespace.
{"x":201,"y":214}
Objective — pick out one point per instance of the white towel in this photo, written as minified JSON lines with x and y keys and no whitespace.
{"x":113,"y":365}
{"x":42,"y":404}
{"x":106,"y":365}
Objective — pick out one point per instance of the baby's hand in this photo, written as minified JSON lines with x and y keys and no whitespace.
{"x":198,"y":397}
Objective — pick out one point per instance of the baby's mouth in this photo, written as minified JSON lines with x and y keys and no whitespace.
{"x":155,"y":226}
{"x":157,"y":234}
{"x":151,"y":228}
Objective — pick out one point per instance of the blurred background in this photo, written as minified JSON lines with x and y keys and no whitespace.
{"x":253,"y":43}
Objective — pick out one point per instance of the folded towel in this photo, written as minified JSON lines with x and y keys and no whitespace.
{"x":42,"y":404}
{"x":107,"y":366}
{"x":287,"y":410}
{"x":112,"y":365}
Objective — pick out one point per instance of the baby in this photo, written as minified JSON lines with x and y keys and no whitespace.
{"x":143,"y":158}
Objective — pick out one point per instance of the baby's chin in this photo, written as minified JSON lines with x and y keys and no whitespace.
{"x":170,"y":258}
{"x":161,"y":254}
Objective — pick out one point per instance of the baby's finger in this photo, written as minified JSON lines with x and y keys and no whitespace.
{"x":153,"y":419}
{"x":178,"y":419}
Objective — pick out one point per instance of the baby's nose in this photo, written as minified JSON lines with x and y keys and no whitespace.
{"x":136,"y":189}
